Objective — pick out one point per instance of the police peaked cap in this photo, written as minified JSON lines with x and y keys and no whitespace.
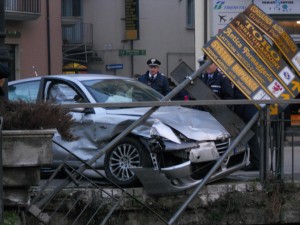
{"x":153,"y":62}
{"x":4,"y":72}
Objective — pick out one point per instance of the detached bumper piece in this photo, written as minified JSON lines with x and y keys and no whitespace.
{"x":155,"y":182}
{"x":179,"y":178}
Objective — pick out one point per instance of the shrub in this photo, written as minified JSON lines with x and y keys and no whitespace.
{"x":21,"y":115}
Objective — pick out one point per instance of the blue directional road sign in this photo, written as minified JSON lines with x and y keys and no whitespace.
{"x":114,"y":66}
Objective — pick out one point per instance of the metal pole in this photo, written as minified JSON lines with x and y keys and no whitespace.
{"x":1,"y":174}
{"x":4,"y":55}
{"x":268,"y":147}
{"x":293,"y":157}
{"x":131,"y":59}
{"x":262,"y":144}
{"x":48,"y":38}
{"x":282,"y":137}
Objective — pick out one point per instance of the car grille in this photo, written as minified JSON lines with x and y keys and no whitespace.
{"x":222,"y":146}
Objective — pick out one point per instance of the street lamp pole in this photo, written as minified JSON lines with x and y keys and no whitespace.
{"x":4,"y":57}
{"x":4,"y":54}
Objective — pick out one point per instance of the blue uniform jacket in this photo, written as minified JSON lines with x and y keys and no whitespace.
{"x":219,"y":84}
{"x":160,"y":83}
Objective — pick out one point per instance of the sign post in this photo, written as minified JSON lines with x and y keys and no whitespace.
{"x":277,"y":34}
{"x":242,"y":51}
{"x":132,"y":20}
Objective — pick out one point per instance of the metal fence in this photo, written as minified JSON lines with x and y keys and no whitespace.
{"x":284,"y":149}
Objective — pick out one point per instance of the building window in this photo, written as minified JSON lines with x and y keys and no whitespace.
{"x":190,"y":19}
{"x":71,"y":8}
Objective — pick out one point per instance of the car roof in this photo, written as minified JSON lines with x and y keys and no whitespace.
{"x":79,"y":77}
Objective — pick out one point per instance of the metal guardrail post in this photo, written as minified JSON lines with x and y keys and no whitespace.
{"x":293,"y":157}
{"x":281,"y":148}
{"x":262,"y":144}
{"x":1,"y":174}
{"x":267,"y":143}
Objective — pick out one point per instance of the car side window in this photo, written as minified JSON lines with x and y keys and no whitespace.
{"x":63,"y":94}
{"x":27,"y":91}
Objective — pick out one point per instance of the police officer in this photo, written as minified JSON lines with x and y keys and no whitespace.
{"x":217,"y":82}
{"x":154,"y":78}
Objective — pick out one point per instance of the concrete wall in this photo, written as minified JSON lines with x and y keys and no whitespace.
{"x":216,"y":204}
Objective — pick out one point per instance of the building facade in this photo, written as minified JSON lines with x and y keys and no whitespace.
{"x":90,"y":36}
{"x":33,"y":37}
{"x":80,"y":36}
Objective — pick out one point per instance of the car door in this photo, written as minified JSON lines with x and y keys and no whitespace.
{"x":63,"y":92}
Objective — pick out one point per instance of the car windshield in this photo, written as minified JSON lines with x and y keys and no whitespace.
{"x":119,"y":90}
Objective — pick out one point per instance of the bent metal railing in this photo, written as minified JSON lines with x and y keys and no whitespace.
{"x":76,"y":179}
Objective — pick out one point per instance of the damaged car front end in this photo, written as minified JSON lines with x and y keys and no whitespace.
{"x":183,"y":148}
{"x":181,"y":169}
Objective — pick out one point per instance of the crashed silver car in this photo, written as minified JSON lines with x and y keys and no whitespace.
{"x":173,"y":149}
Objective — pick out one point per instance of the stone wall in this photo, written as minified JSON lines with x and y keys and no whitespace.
{"x":230,"y":203}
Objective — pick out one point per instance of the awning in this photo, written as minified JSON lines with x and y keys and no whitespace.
{"x":74,"y":66}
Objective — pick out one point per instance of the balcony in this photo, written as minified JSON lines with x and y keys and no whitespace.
{"x":77,"y":40}
{"x":22,"y":10}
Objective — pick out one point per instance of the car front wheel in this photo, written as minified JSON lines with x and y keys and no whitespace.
{"x":126,"y":154}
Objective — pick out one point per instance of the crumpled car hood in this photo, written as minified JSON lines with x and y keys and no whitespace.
{"x":194,"y":124}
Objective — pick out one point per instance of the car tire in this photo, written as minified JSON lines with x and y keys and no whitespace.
{"x":129,"y":152}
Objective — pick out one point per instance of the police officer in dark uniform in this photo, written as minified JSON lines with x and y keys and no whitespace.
{"x":154,"y":78}
{"x":217,"y":82}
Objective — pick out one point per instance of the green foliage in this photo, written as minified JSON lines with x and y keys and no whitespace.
{"x":11,"y":218}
